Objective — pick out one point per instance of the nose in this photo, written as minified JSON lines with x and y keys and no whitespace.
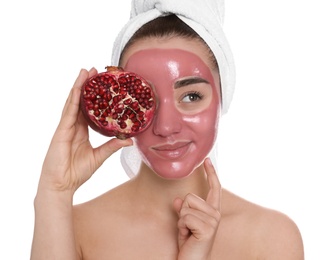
{"x":167,"y":120}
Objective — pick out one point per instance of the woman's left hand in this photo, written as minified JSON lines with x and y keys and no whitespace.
{"x":199,"y":219}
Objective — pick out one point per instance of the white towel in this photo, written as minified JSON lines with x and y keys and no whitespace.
{"x":205,"y":17}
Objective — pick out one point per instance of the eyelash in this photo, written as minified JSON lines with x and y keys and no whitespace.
{"x":199,"y":96}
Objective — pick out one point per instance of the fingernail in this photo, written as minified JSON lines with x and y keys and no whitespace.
{"x":209,"y":162}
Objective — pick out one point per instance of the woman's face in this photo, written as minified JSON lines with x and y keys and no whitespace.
{"x":188,"y":104}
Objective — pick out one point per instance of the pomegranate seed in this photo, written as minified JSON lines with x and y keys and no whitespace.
{"x":120,"y":96}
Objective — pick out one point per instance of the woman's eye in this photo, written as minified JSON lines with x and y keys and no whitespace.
{"x":191,"y":97}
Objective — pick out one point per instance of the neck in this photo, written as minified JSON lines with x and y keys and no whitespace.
{"x":157,"y":193}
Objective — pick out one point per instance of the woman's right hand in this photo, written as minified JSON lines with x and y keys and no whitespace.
{"x":71,"y":160}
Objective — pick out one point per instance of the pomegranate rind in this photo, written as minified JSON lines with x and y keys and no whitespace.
{"x":117,"y":103}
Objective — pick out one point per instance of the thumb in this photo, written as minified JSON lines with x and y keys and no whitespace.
{"x":104,"y":151}
{"x":177,"y":204}
{"x":183,"y":232}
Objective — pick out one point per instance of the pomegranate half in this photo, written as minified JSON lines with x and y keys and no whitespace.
{"x":118,"y":103}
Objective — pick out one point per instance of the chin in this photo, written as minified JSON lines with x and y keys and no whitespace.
{"x":175,"y":171}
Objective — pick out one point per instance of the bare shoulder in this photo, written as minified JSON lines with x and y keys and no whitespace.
{"x":101,"y":205}
{"x":98,"y":222}
{"x":269,"y":233}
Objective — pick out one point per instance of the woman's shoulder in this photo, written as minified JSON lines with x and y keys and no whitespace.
{"x":101,"y":217}
{"x":273,"y":234}
{"x":112,"y":200}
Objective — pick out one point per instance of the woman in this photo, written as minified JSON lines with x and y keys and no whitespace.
{"x":174,"y":207}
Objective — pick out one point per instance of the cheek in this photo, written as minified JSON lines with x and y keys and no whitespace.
{"x":204,"y":127}
{"x":206,"y":121}
{"x":201,"y":122}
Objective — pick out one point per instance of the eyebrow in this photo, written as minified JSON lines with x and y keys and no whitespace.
{"x":189,"y":81}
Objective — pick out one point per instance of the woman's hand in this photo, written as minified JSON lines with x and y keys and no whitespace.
{"x":199,"y":220}
{"x":71,"y":160}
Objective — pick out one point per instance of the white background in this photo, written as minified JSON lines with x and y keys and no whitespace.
{"x":273,"y":141}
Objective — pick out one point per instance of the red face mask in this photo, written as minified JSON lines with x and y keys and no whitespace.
{"x":185,"y":124}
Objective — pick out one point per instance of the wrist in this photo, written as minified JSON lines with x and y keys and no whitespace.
{"x":53,"y":198}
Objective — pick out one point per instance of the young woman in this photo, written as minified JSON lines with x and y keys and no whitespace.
{"x":174,"y":207}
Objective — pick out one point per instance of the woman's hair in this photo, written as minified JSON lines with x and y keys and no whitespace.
{"x":167,"y":26}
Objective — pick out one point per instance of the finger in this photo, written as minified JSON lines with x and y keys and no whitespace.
{"x":214,"y":194}
{"x":71,"y":107}
{"x":211,"y":219}
{"x":81,"y":131}
{"x":177,"y":204}
{"x":104,"y":151}
{"x":82,"y":77}
{"x":81,"y":118}
{"x":92,"y":72}
{"x":197,"y":204}
{"x":192,"y":224}
{"x":184,"y":232}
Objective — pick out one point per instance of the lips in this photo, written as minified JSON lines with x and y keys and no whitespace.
{"x":172,"y":151}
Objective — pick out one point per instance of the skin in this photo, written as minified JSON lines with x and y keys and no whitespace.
{"x":188,"y":106}
{"x":148,"y":217}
